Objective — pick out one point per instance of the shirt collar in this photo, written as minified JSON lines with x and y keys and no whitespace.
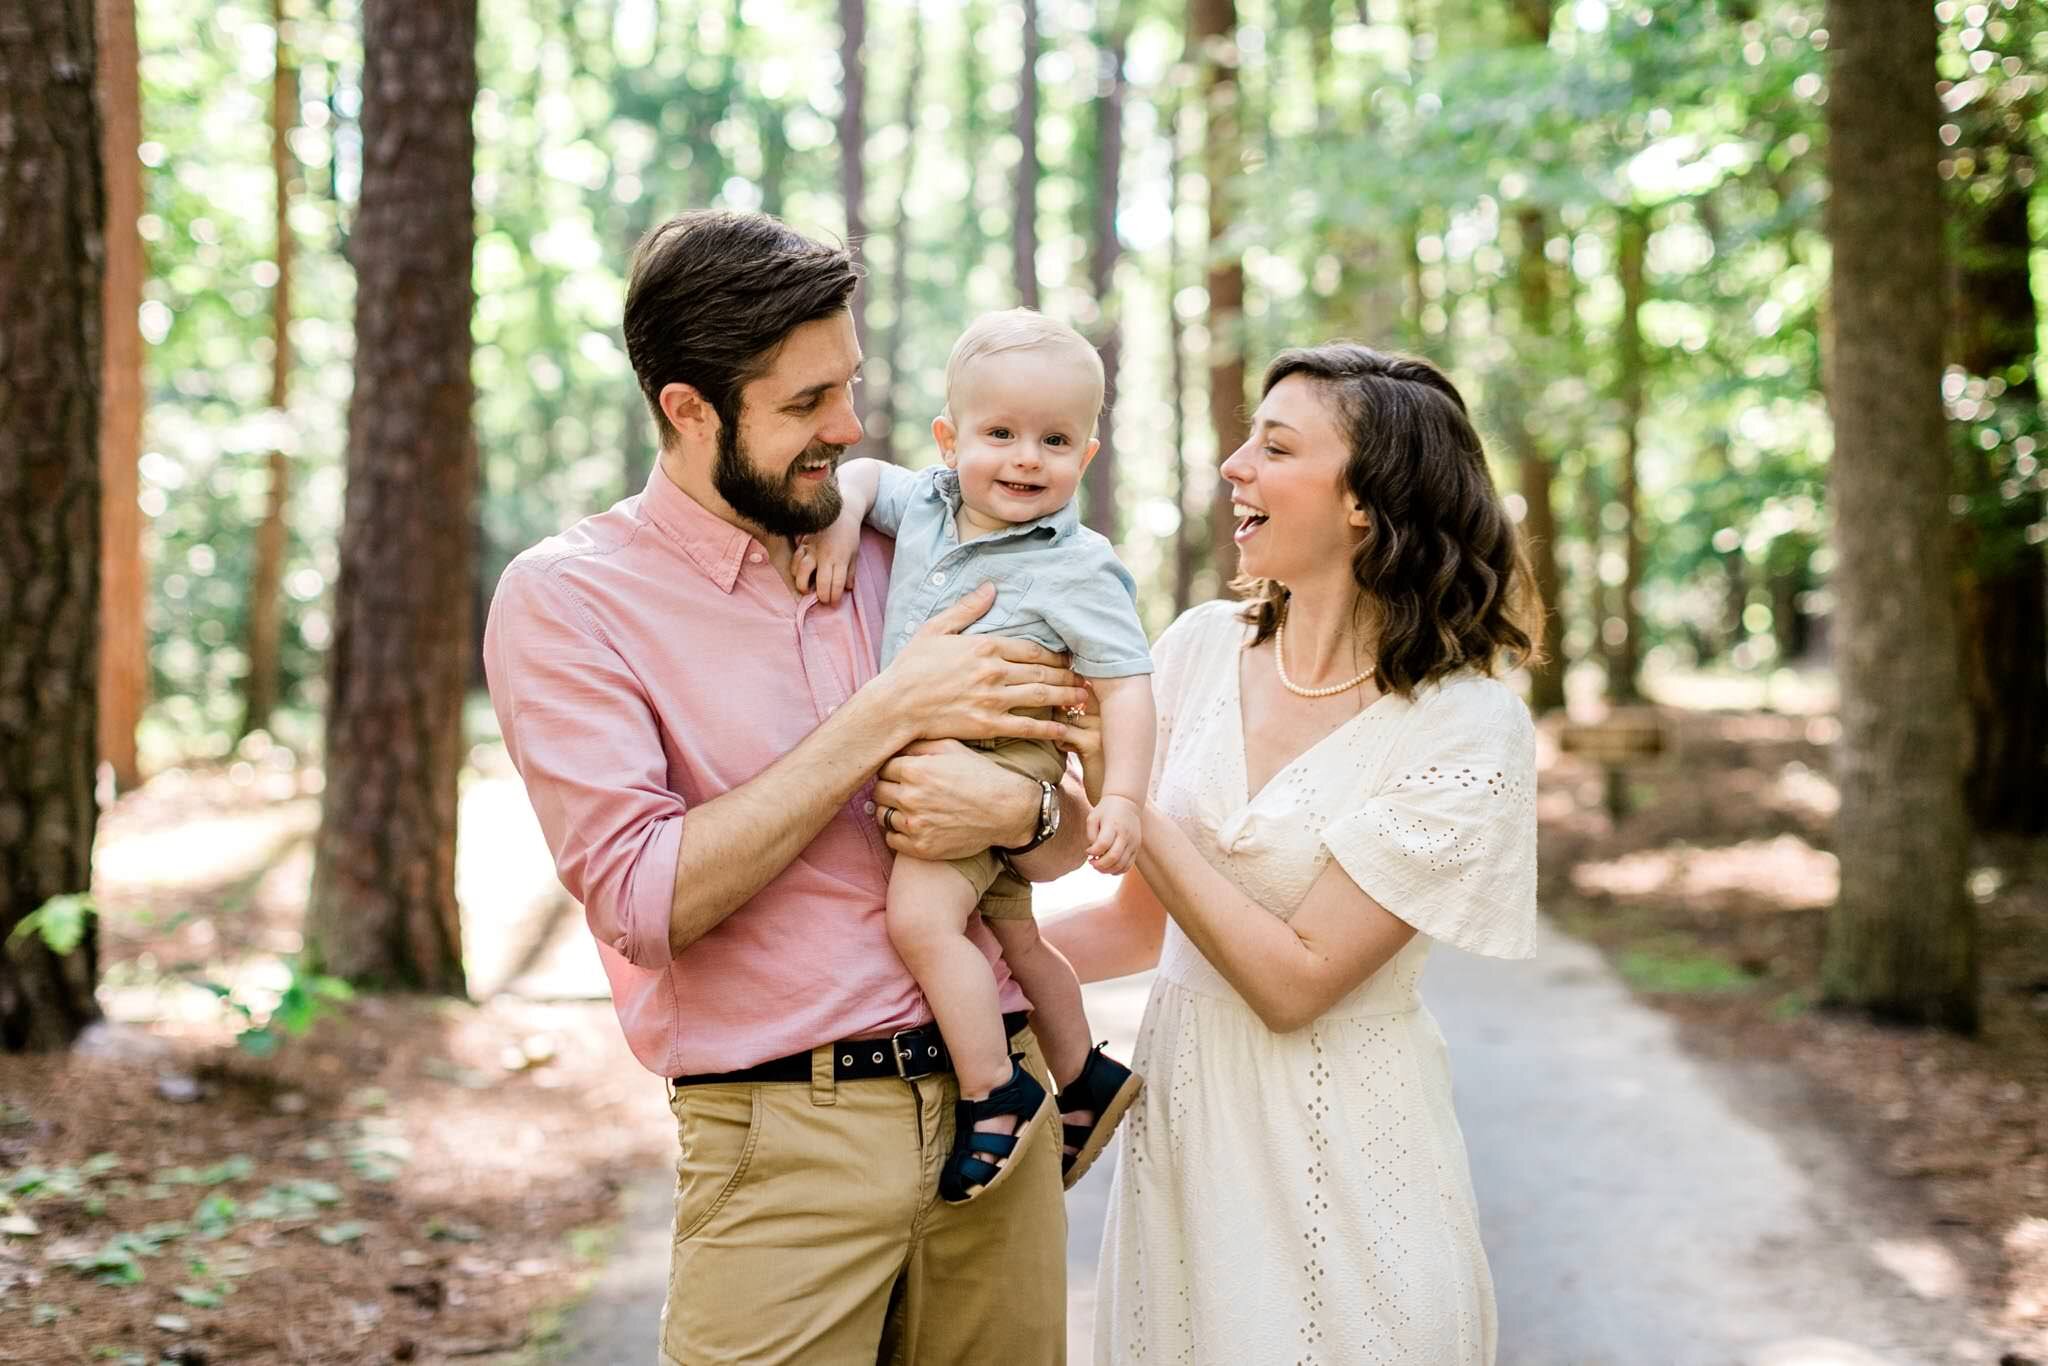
{"x":1061,"y":521}
{"x":713,"y":544}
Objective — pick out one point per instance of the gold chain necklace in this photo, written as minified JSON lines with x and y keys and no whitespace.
{"x":1280,"y":666}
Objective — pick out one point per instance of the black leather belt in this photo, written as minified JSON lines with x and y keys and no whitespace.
{"x":908,"y":1053}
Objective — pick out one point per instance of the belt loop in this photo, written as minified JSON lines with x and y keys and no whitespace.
{"x":824,"y":1085}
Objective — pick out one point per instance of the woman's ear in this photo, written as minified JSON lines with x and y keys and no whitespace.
{"x":1356,"y":516}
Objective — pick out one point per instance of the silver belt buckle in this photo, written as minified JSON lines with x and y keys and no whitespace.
{"x":906,"y":1055}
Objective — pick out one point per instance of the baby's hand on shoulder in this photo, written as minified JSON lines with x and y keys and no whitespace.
{"x":1115,"y":830}
{"x":824,"y":560}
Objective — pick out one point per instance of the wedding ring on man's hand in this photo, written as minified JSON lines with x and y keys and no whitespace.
{"x":888,"y":820}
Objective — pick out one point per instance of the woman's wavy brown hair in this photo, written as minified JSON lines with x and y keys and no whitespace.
{"x":1444,"y":580}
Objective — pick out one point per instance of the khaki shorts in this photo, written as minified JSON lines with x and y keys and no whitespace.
{"x":1004,"y":895}
{"x":809,"y":1230}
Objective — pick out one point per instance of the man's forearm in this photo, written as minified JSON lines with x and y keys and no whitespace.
{"x":736,"y":843}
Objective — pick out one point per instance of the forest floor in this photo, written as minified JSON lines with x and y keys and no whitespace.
{"x":431,"y":1181}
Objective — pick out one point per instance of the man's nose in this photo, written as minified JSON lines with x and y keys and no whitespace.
{"x":842,"y":427}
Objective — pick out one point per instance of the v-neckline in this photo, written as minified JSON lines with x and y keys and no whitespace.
{"x":1247,"y":797}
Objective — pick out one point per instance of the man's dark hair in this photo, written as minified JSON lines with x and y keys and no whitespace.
{"x":1442,"y":573}
{"x":713,"y":295}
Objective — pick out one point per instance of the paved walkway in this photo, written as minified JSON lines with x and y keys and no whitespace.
{"x":1639,"y":1206}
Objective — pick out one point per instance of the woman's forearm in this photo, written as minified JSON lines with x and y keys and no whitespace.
{"x":1112,"y":938}
{"x":1255,"y":951}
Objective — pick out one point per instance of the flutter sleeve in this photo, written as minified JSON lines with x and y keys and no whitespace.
{"x":1448,"y":840}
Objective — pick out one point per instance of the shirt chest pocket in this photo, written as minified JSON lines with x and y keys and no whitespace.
{"x":1011,"y":613}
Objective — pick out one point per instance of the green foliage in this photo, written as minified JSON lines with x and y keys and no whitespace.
{"x":1394,"y":155}
{"x":1682,"y":973}
{"x":59,"y":922}
{"x":305,"y":998}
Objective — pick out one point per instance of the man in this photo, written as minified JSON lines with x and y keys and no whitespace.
{"x":701,"y":743}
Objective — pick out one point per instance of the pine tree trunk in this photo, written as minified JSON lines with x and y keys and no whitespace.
{"x":1192,"y":531}
{"x":1901,"y":941}
{"x":1106,"y":248}
{"x":1539,"y":525}
{"x":383,"y":902}
{"x":1625,"y":646}
{"x":1024,"y":217}
{"x":124,"y":655}
{"x":52,"y":217}
{"x":853,"y":140}
{"x":888,"y":442}
{"x":1212,"y":29}
{"x":2004,"y":578}
{"x":266,"y":581}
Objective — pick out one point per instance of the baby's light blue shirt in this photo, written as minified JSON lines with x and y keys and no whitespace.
{"x":1057,"y":582}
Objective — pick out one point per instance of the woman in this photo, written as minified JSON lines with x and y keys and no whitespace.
{"x":1339,"y":780}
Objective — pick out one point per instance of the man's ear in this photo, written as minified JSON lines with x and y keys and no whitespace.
{"x":1094,"y":445}
{"x":948,"y":437}
{"x":689,"y":414}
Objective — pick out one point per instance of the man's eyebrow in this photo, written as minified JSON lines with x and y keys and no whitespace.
{"x":820,"y":389}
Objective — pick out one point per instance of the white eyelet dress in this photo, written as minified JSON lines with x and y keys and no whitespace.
{"x":1304,"y":1197}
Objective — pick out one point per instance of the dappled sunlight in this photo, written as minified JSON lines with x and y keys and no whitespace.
{"x":1783,"y":873}
{"x":203,"y":852}
{"x":1927,"y":1267}
{"x":520,"y":930}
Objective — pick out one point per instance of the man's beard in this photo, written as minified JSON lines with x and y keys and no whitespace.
{"x":769,"y":503}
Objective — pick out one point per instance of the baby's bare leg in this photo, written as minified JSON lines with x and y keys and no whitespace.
{"x":1057,"y":1015}
{"x":928,"y":908}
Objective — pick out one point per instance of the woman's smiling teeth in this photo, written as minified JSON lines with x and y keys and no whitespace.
{"x":1249,"y":518}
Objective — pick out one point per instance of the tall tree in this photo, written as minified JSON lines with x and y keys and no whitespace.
{"x":1624,"y":630}
{"x":1534,"y":291}
{"x":266,"y":579}
{"x":1901,"y":941}
{"x":52,"y":216}
{"x":1191,"y":531}
{"x":853,"y":154}
{"x":1024,"y":218}
{"x":889,"y":441}
{"x":2004,"y":577}
{"x":124,"y":658}
{"x":1212,"y":29}
{"x":383,"y":901}
{"x":1113,"y":39}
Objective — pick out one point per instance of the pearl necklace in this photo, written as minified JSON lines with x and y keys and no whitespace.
{"x":1280,"y":666}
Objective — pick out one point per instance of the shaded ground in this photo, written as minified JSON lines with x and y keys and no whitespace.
{"x":420,"y":1181}
{"x":1709,"y":897}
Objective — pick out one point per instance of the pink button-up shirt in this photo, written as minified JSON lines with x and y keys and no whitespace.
{"x":651,"y":658}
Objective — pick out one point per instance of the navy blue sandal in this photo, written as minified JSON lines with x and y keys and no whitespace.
{"x":979,"y":1161}
{"x":1106,"y":1088}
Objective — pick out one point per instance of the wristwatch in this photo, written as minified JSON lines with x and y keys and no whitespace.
{"x":1048,"y":819}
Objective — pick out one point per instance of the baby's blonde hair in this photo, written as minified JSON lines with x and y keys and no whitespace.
{"x":1019,"y":329}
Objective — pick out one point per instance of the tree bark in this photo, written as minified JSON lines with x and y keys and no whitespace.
{"x":2004,"y":578}
{"x":124,"y":653}
{"x":853,"y":148}
{"x":1624,"y":640}
{"x":1114,"y":38}
{"x":52,"y":217}
{"x":1901,"y":941}
{"x":1192,"y":532}
{"x":383,"y":902}
{"x":1024,"y":218}
{"x":1212,"y":28}
{"x":887,"y":440}
{"x":266,"y":582}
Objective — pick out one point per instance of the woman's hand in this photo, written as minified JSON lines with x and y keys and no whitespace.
{"x":948,"y":686}
{"x":940,"y":800}
{"x":1084,"y":742}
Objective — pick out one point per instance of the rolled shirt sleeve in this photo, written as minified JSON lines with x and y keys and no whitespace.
{"x":581,"y":732}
